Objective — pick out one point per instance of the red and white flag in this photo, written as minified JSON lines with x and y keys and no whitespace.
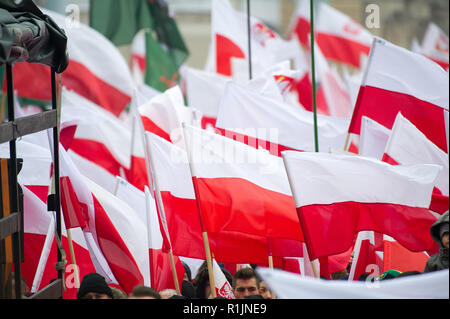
{"x":97,"y":70}
{"x":170,"y":168}
{"x":407,"y":146}
{"x":337,"y":196}
{"x":239,"y":188}
{"x":340,"y":38}
{"x":368,"y":255}
{"x":111,"y":229}
{"x":264,"y":122}
{"x":222,"y":286}
{"x":164,"y":113}
{"x":398,"y":80}
{"x":435,"y":45}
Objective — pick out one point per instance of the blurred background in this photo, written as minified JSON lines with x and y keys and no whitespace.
{"x":401,"y":21}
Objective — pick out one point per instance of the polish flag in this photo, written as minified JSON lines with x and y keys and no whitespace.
{"x":229,"y":48}
{"x":407,"y":146}
{"x":398,"y":80}
{"x":170,"y":168}
{"x":164,"y":113}
{"x":101,"y":145}
{"x":339,"y":195}
{"x":160,"y":272}
{"x":222,"y":286}
{"x":239,"y":188}
{"x":264,"y":122}
{"x":112,"y":230}
{"x":368,"y":257}
{"x":373,"y":138}
{"x":339,"y":37}
{"x":97,"y":70}
{"x":435,"y":45}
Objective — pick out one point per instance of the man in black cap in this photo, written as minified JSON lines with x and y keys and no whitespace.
{"x":94,"y":286}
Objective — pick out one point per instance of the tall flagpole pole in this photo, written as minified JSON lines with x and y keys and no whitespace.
{"x":313,"y":74}
{"x":250,"y":75}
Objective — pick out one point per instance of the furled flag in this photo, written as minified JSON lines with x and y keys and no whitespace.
{"x":265,"y":122}
{"x":337,"y":196}
{"x":435,"y":45}
{"x":367,"y":258}
{"x":407,"y":145}
{"x":396,"y":80}
{"x":239,"y":188}
{"x":97,"y":71}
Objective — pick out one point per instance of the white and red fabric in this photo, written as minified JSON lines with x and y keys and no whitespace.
{"x":407,"y":145}
{"x":229,"y":41}
{"x":435,"y":45}
{"x":185,"y":226}
{"x":101,"y":145}
{"x":368,"y":255}
{"x":340,"y":38}
{"x":239,"y":188}
{"x":337,"y":196}
{"x":164,"y":113}
{"x":398,"y":80}
{"x":222,"y":286}
{"x":264,"y":122}
{"x":373,"y":138}
{"x":112,"y":230}
{"x":97,"y":70}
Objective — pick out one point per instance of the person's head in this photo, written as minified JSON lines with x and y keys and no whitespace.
{"x":144,"y":292}
{"x":167,"y":293}
{"x":265,"y":292}
{"x":343,"y":274}
{"x":443,"y":234}
{"x":94,"y":286}
{"x":187,"y":272}
{"x":187,"y":289}
{"x":439,"y":231}
{"x":118,"y":294}
{"x":245,"y":283}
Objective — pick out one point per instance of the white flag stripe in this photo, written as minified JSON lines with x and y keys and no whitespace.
{"x":393,"y":71}
{"x":366,"y":180}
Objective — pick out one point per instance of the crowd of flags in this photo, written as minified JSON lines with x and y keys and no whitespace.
{"x":155,"y":155}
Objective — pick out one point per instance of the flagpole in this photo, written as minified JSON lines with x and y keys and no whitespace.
{"x":159,"y":203}
{"x":269,"y":253}
{"x":313,"y":74}
{"x":250,"y":75}
{"x":204,"y":233}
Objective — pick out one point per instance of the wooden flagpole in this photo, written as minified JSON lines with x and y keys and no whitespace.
{"x":162,"y":212}
{"x":250,"y":75}
{"x":204,"y":232}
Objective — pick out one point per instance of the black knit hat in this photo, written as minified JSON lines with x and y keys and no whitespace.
{"x":94,"y":282}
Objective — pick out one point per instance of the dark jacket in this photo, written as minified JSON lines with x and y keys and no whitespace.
{"x":438,"y":261}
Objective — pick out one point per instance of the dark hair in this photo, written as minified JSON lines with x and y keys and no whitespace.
{"x":245,"y":273}
{"x":187,"y":270}
{"x":202,"y":278}
{"x":187,"y":289}
{"x":144,"y":291}
{"x":94,"y":282}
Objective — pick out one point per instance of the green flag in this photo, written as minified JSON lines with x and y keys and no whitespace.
{"x":120,"y":20}
{"x":161,"y":72}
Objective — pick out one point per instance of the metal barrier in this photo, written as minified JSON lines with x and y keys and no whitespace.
{"x":11,"y":213}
